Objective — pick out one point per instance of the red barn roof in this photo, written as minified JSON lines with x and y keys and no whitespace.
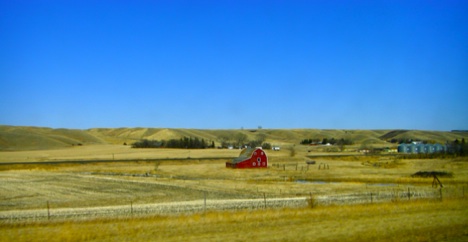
{"x":250,"y":158}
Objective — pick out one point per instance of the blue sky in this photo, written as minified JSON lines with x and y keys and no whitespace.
{"x":232,"y":64}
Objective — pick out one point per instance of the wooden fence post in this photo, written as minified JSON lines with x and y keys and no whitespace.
{"x":409,"y":194}
{"x":204,"y":201}
{"x":48,"y":211}
{"x":397,"y":195}
{"x":264,"y":200}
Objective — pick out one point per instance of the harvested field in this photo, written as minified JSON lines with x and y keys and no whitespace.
{"x":92,"y":185}
{"x":78,"y":185}
{"x":29,"y":190}
{"x":91,"y":194}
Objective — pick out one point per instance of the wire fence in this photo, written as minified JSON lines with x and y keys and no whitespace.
{"x":206,"y":204}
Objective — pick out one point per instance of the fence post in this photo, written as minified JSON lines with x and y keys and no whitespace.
{"x":312,"y":202}
{"x":397,"y":195}
{"x":204,"y":201}
{"x":409,"y":194}
{"x":48,"y":211}
{"x":264,"y":200}
{"x":371,"y":198}
{"x":131,"y":207}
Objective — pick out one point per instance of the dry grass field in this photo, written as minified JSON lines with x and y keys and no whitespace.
{"x":408,"y":221}
{"x":354,"y":197}
{"x":109,"y":153}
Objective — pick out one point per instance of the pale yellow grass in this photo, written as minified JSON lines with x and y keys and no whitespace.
{"x":112,"y":183}
{"x":78,"y":185}
{"x":110,"y":152}
{"x":409,"y":221}
{"x":68,"y":185}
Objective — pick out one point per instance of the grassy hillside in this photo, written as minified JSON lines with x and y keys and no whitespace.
{"x":37,"y":138}
{"x":30,"y":138}
{"x":436,"y":136}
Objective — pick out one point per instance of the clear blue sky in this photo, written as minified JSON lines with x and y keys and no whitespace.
{"x":232,"y":64}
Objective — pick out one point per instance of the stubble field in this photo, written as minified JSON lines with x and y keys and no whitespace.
{"x":136,"y":184}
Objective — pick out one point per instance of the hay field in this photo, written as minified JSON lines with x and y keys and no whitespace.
{"x":137,"y":180}
{"x":117,"y":176}
{"x":110,"y":152}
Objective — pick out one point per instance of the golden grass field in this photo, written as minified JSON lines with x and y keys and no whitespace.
{"x":104,"y":174}
{"x":405,"y":221}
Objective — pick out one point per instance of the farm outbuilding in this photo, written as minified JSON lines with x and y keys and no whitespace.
{"x":421,"y":148}
{"x":249,"y":158}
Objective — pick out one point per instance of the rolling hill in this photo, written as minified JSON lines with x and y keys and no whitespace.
{"x":38,"y":138}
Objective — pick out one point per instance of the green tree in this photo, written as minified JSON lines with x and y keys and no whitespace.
{"x":241,"y":138}
{"x":292,"y":151}
{"x":224,"y":140}
{"x":266,"y":146}
{"x":261,"y":137}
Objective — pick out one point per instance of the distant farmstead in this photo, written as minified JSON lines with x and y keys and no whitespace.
{"x":249,"y":158}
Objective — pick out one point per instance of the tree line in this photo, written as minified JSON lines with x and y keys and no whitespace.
{"x":184,"y":143}
{"x":240,"y":140}
{"x":409,"y":141}
{"x":458,"y":147}
{"x":325,"y":141}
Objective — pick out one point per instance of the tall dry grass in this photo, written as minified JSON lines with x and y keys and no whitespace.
{"x":421,"y":220}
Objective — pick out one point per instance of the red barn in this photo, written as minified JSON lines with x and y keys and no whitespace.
{"x":250,"y":158}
